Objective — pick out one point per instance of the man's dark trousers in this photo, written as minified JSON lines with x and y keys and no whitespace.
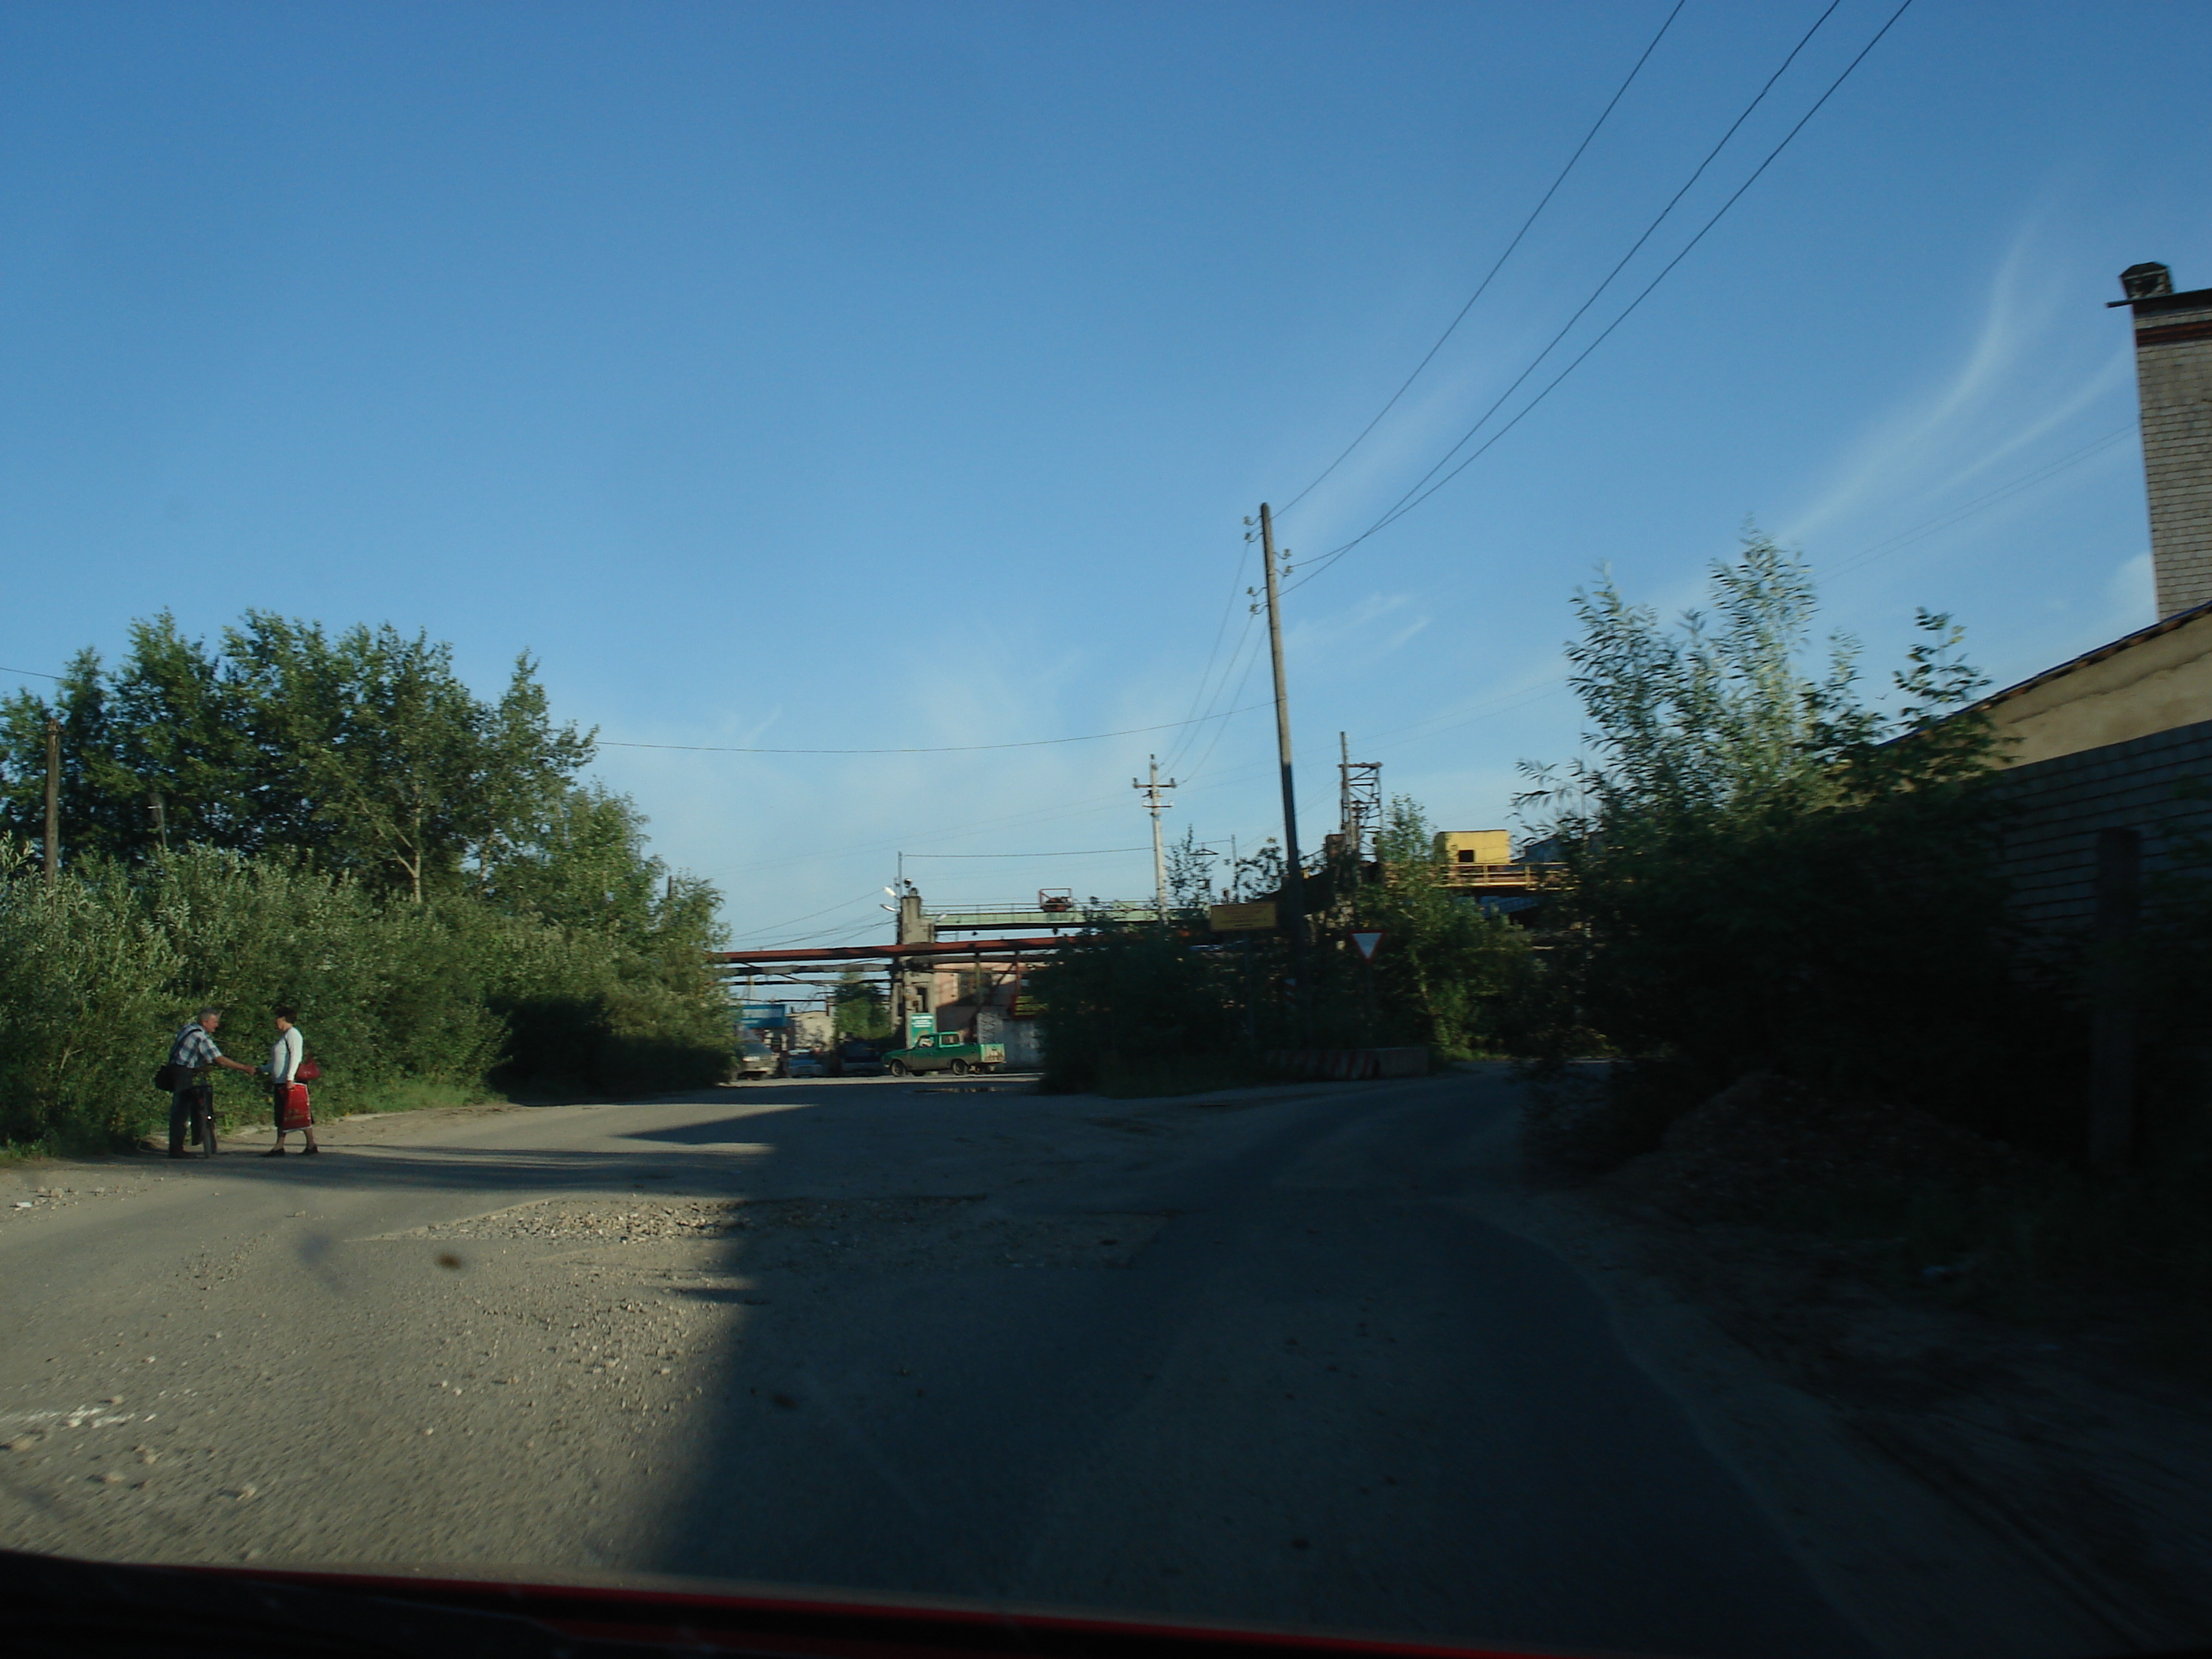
{"x":194,"y":1099}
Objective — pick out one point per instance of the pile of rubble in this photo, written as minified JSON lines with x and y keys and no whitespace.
{"x":1764,"y":1137}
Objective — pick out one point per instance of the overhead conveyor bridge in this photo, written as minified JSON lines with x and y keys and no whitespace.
{"x":837,"y":956}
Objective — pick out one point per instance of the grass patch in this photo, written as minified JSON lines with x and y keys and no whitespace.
{"x":419,"y":1095}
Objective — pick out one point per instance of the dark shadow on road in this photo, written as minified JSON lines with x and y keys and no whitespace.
{"x":1098,"y":1438}
{"x":721,"y":1132}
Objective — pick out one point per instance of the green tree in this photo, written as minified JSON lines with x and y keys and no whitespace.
{"x":408,"y":773}
{"x":1766,"y":873}
{"x":363,"y":752}
{"x":1190,"y":875}
{"x":862,"y":1011}
{"x":580,"y":863}
{"x":1444,"y":962}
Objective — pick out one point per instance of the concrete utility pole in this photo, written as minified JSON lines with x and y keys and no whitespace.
{"x":1155,"y":806}
{"x":909,"y":975}
{"x":53,"y":800}
{"x":1294,"y":898}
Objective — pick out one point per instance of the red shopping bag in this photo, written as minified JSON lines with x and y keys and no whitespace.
{"x":295,"y":1114}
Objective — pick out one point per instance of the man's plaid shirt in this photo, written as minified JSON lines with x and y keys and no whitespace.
{"x":194,"y":1050}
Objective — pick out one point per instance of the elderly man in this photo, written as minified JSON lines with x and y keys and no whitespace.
{"x":192,"y":1057}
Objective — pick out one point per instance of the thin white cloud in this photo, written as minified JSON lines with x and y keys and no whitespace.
{"x":2023,"y":375}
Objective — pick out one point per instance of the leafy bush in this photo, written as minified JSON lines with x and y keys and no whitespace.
{"x":1444,"y":967}
{"x":98,"y":972}
{"x":1123,"y":1004}
{"x":418,"y":869}
{"x":1768,"y":875}
{"x":1153,"y":1010}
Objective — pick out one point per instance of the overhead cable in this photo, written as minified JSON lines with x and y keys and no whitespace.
{"x":1414,"y":496}
{"x":941,"y":748}
{"x":1199,"y":698}
{"x":1605,"y":282}
{"x":792,"y":922}
{"x":1183,"y":744}
{"x":1498,"y":264}
{"x":1944,"y":520}
{"x":1085,"y":853}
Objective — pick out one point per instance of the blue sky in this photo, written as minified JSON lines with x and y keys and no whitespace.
{"x":850,"y":376}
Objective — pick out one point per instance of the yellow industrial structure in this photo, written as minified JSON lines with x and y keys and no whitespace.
{"x":1474,"y":847}
{"x":1481,"y":861}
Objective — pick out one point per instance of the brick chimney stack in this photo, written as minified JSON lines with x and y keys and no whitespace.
{"x":2173,"y":383}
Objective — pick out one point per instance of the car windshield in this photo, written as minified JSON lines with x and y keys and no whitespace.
{"x":1388,"y":825}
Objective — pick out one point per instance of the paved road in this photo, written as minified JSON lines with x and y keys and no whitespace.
{"x":1261,"y":1360}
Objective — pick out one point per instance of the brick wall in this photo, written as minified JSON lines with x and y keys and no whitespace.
{"x":2050,"y":850}
{"x":2173,"y":379}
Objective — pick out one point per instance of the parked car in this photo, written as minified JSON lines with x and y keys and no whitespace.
{"x":858,"y":1059}
{"x":804,"y":1062}
{"x":754,"y":1059}
{"x":946,"y":1051}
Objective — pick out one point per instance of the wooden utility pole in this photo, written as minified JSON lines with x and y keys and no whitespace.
{"x":1294,"y":897}
{"x":2112,"y":994}
{"x":53,"y":800}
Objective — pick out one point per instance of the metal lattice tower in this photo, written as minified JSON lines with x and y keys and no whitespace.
{"x":1359,"y":794}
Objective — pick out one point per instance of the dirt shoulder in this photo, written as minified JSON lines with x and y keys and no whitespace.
{"x":1958,"y":1483}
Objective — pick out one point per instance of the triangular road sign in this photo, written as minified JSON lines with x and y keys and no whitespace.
{"x":1367,"y":942}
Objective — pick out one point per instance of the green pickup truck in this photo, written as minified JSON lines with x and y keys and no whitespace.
{"x":946,"y":1051}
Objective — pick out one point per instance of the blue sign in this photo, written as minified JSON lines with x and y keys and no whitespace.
{"x":763,"y":1015}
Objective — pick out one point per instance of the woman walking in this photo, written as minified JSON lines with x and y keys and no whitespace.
{"x":284,"y":1060}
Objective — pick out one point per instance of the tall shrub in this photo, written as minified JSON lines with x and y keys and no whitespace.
{"x":1767,"y":872}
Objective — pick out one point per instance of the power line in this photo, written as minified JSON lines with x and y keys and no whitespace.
{"x":792,"y":922}
{"x":945,"y":749}
{"x":1199,"y":697}
{"x":818,"y":939}
{"x":1197,"y":771}
{"x":1509,"y":701}
{"x":1086,"y":852}
{"x":1634,"y":248}
{"x":1411,"y":500}
{"x":942,"y":749}
{"x":1092,"y":806}
{"x":1206,"y":700}
{"x":1942,"y":520}
{"x":1185,"y":741}
{"x":1559,"y":179}
{"x":1499,"y":263}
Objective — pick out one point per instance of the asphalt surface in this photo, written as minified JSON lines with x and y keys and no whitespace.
{"x":1260,"y":1360}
